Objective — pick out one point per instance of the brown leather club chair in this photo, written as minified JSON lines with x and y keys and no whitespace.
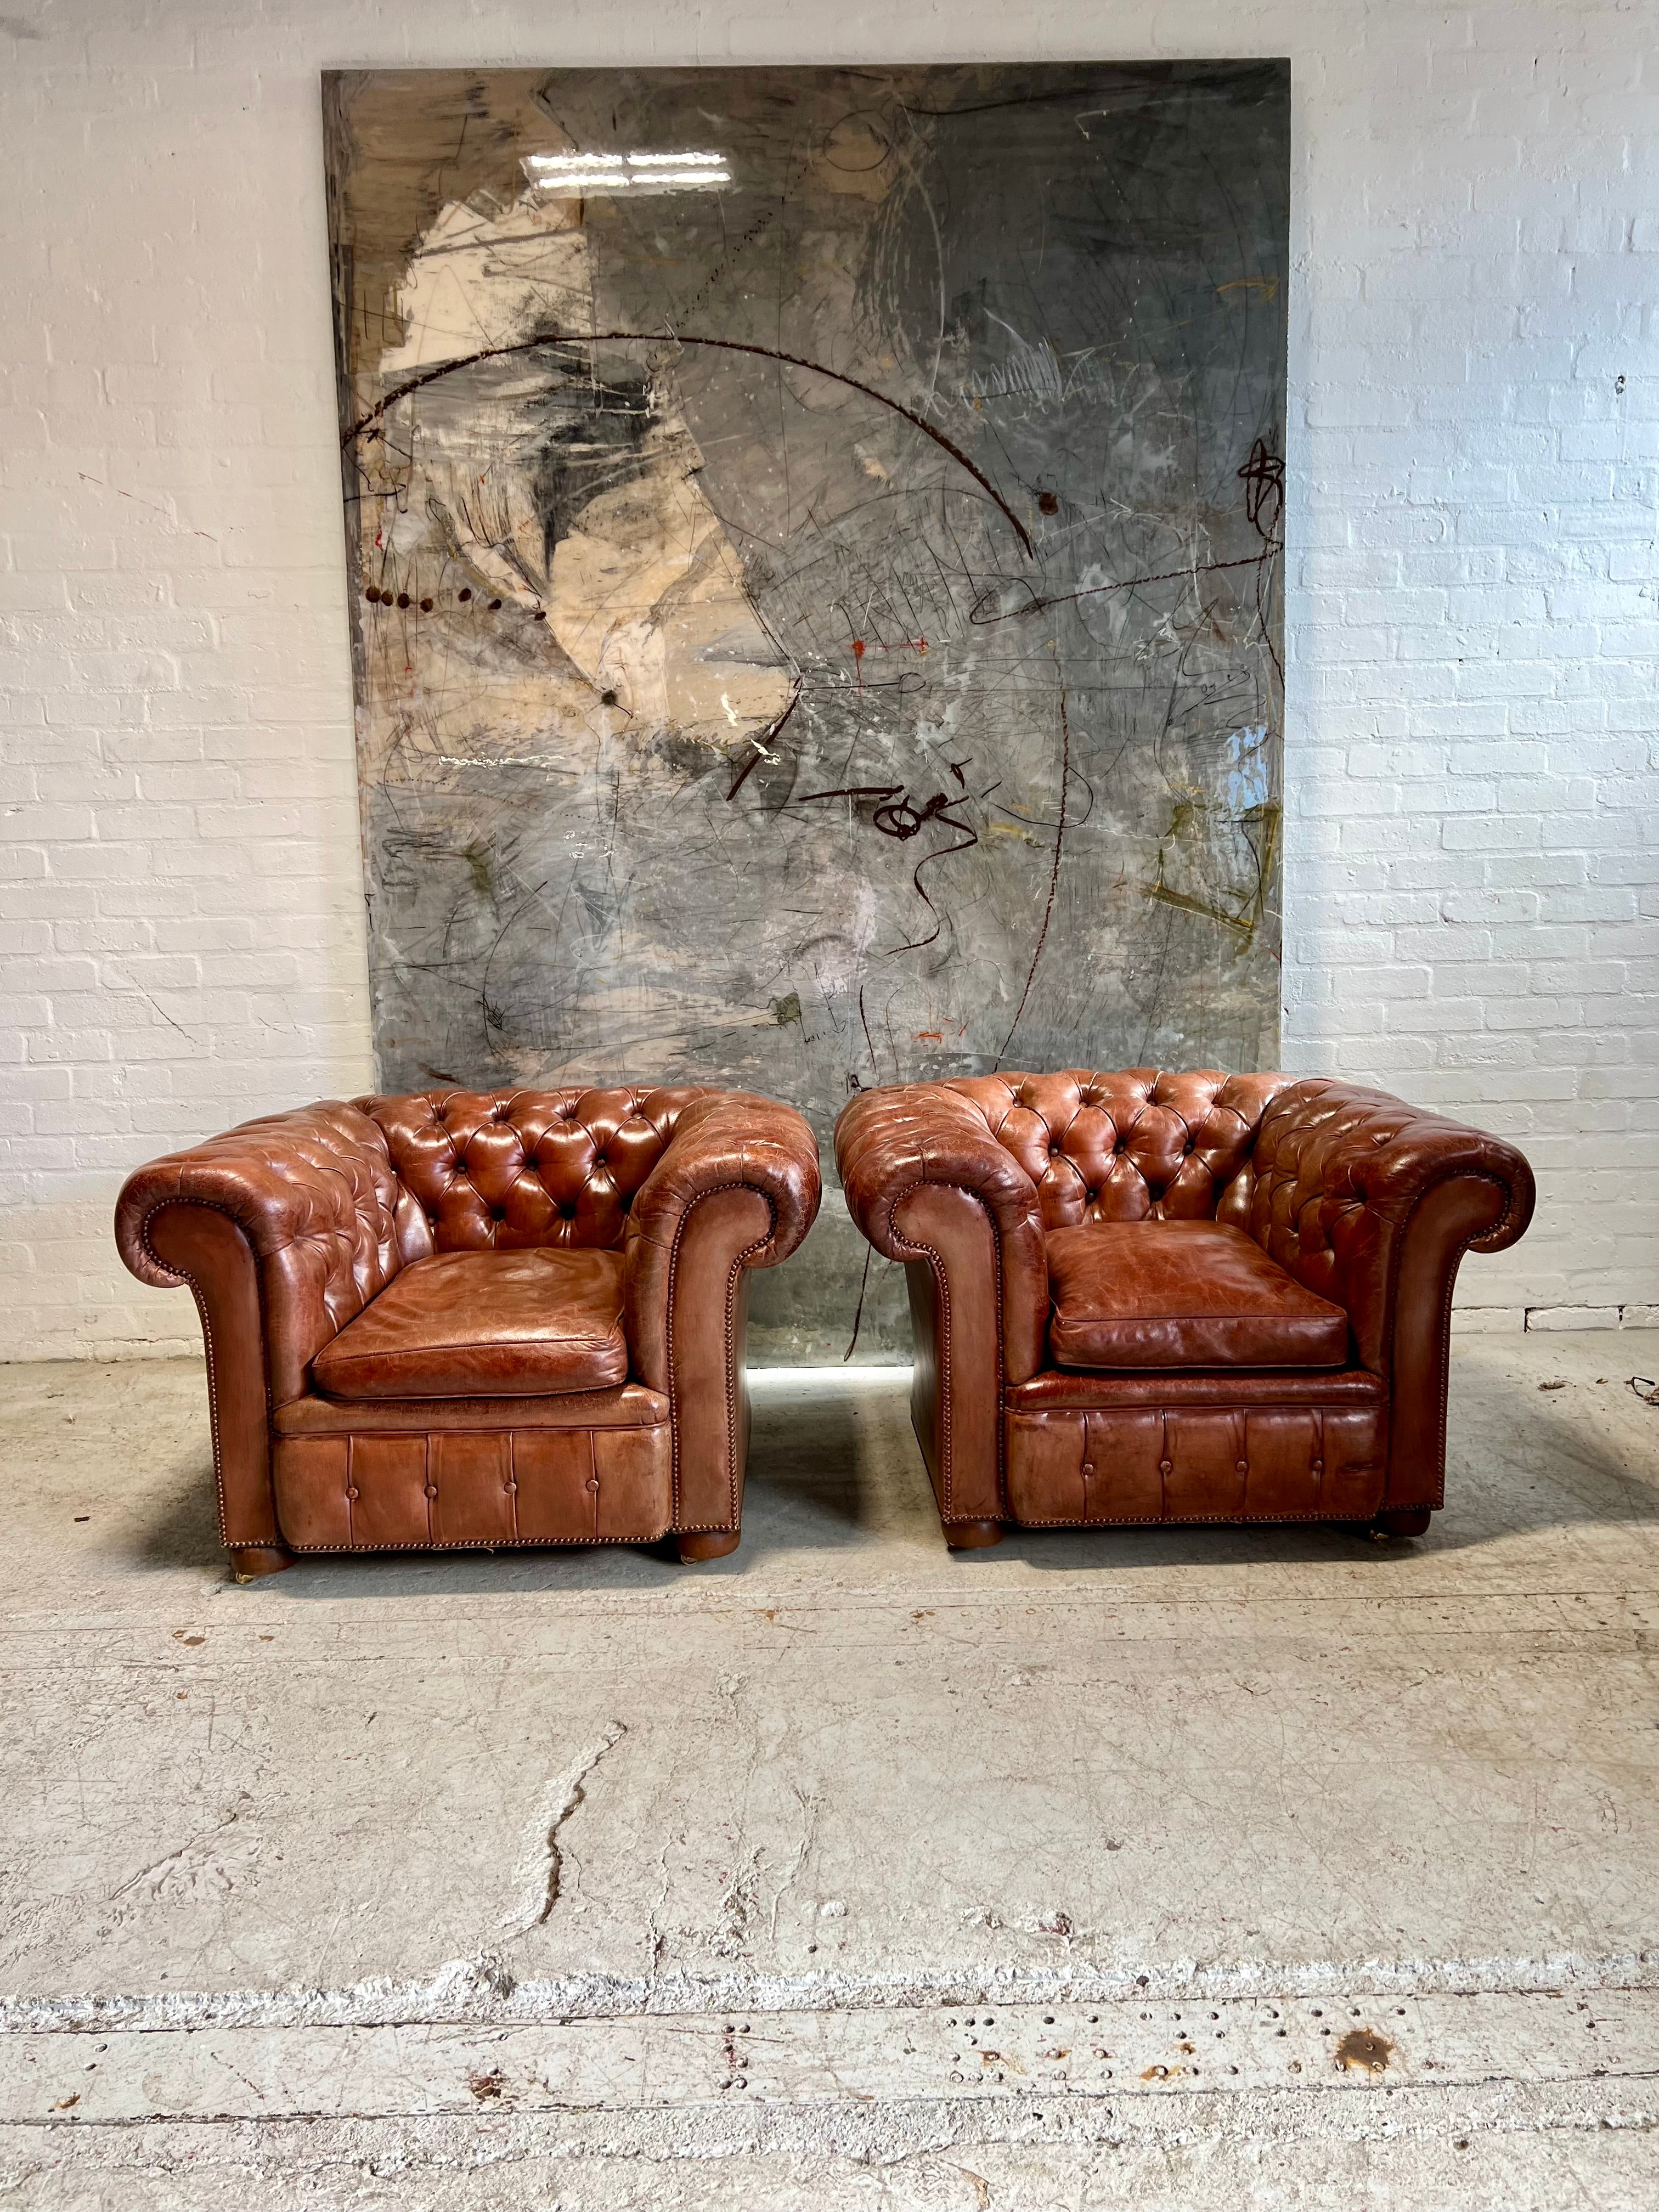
{"x":1139,"y":1297}
{"x":467,"y":1320}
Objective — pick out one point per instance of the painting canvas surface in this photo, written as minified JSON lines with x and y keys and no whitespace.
{"x":815,"y":550}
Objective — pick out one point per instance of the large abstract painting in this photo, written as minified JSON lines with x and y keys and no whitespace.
{"x":816,"y":539}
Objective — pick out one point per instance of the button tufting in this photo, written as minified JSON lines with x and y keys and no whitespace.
{"x":1088,"y":1467}
{"x":1316,"y":1467}
{"x":498,"y":1213}
{"x":591,"y":1483}
{"x":432,"y":1490}
{"x":511,"y":1487}
{"x":1166,"y":1466}
{"x":1241,"y":1466}
{"x":352,"y":1492}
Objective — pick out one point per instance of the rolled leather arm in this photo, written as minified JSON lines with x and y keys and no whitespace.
{"x":1372,"y":1203}
{"x":1343,"y":1146}
{"x":1342,"y":1174}
{"x":737,"y":1188}
{"x":312,"y":1192}
{"x":890,"y":1142}
{"x":727,"y":1141}
{"x":929,"y":1183}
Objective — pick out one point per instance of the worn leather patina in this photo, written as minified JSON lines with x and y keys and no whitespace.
{"x":1140,"y":1296}
{"x":471,"y":1319}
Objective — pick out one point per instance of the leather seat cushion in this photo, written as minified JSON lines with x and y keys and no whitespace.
{"x":1165,"y":1294}
{"x":485,"y":1324}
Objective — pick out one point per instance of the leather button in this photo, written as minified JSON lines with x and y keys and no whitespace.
{"x":352,"y":1492}
{"x":1166,"y":1466}
{"x":1088,"y":1467}
{"x":511,"y":1488}
{"x":432,"y":1490}
{"x":1241,"y":1466}
{"x":498,"y":1213}
{"x":1316,"y":1467}
{"x":591,"y":1483}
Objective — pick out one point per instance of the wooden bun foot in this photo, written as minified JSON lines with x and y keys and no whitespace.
{"x":248,"y":1562}
{"x":972,"y":1535}
{"x":1402,"y":1521}
{"x":709,"y":1544}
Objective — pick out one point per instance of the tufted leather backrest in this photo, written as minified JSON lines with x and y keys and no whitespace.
{"x":499,"y":1170}
{"x":1131,"y":1145}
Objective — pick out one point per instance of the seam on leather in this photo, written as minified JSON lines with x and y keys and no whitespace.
{"x":700,"y":1527}
{"x":1217,"y":1405}
{"x":1216,"y":1520}
{"x":472,"y":1544}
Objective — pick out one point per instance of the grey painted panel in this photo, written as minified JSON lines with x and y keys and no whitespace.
{"x":815,"y":539}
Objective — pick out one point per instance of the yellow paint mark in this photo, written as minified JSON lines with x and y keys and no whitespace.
{"x":1266,"y":286}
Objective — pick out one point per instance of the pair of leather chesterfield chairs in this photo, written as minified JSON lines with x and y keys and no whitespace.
{"x":461,"y":1320}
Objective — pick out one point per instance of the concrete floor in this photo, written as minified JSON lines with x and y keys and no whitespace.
{"x":1167,"y":1869}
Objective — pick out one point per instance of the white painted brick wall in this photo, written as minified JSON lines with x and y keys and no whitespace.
{"x":1472,"y":908}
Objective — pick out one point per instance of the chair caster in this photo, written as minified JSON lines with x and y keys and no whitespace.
{"x":708,"y":1544}
{"x":250,"y":1563}
{"x":972,"y":1535}
{"x":1400,"y":1521}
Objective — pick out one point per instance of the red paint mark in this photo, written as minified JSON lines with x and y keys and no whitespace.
{"x":930,"y":1036}
{"x":857,"y":659}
